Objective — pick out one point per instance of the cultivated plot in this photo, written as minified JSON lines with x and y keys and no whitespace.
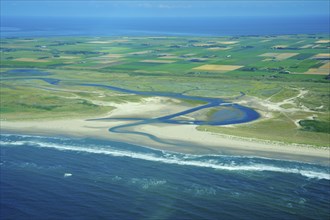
{"x":322,"y":70}
{"x":221,"y":68}
{"x":278,"y":56}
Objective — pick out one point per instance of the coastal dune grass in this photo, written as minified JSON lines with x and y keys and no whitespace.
{"x":278,"y":129}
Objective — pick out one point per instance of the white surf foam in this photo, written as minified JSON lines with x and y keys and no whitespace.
{"x":67,"y":174}
{"x":173,"y":159}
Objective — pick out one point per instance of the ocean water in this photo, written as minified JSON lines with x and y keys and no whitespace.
{"x":219,"y":26}
{"x":64,"y":178}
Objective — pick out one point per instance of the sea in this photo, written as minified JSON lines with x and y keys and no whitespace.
{"x":49,"y":177}
{"x":205,"y":26}
{"x":67,"y":178}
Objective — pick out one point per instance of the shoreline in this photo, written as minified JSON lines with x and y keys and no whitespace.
{"x":181,"y":139}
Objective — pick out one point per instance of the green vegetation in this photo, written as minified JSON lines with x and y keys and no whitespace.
{"x":280,"y":129}
{"x":315,"y":126}
{"x":17,"y":104}
{"x":278,"y":84}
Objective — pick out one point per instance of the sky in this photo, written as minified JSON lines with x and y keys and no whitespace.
{"x":160,"y":8}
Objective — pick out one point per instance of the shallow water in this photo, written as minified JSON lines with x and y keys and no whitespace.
{"x":88,"y":179}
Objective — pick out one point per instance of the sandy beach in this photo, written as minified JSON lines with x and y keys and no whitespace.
{"x":179,"y":138}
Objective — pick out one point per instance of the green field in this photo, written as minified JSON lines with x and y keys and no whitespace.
{"x":274,"y":75}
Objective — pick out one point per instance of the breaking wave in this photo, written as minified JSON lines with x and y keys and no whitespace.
{"x":218,"y":162}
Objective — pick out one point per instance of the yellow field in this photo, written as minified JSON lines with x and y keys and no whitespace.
{"x":280,"y":46}
{"x":306,"y":46}
{"x":219,"y":48}
{"x":228,"y":42}
{"x":158,"y":61}
{"x":269,"y":55}
{"x":323,"y":70}
{"x":322,"y":55}
{"x":279,"y":56}
{"x":212,"y":67}
{"x":203,"y":45}
{"x":31,"y":60}
{"x":111,"y":56}
{"x":267,"y":59}
{"x":317,"y":46}
{"x":322,"y":41}
{"x":326,"y":66}
{"x":140,"y":52}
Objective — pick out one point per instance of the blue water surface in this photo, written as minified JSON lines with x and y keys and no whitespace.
{"x":212,"y":26}
{"x":63,"y":178}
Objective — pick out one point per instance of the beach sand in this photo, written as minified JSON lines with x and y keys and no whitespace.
{"x":179,"y":138}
